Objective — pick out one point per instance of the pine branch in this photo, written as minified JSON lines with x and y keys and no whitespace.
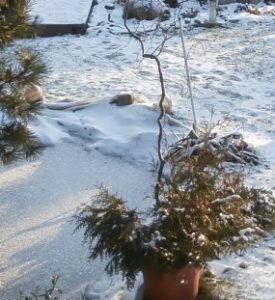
{"x":25,"y":68}
{"x":15,"y":107}
{"x":17,"y":142}
{"x":19,"y":69}
{"x":14,"y":20}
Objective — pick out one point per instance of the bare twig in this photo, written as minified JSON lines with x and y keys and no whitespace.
{"x":188,"y":79}
{"x":154,"y":57}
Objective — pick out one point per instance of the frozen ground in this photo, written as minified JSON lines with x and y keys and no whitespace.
{"x":233,"y":75}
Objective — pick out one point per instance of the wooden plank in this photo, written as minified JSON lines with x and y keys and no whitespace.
{"x":48,"y":30}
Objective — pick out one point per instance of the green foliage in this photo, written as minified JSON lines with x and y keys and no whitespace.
{"x":19,"y":69}
{"x":23,"y":67}
{"x":17,"y":141}
{"x":204,"y":211}
{"x":14,"y":20}
{"x":48,"y":294}
{"x":116,"y":232}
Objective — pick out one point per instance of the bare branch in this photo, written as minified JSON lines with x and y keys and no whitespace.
{"x":154,"y":57}
{"x":188,"y":78}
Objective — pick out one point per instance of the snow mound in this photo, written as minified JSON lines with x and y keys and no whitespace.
{"x":128,"y":132}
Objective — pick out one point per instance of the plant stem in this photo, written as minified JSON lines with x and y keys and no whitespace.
{"x":158,"y":184}
{"x":188,"y":78}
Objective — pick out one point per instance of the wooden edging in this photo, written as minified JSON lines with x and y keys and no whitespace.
{"x":48,"y":30}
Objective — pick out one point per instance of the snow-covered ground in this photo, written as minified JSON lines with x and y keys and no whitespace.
{"x":37,"y":202}
{"x":233,"y":76}
{"x":61,"y":11}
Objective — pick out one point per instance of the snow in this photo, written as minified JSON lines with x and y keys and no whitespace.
{"x":133,"y":135}
{"x":63,"y":11}
{"x":92,"y":142}
{"x":37,"y":203}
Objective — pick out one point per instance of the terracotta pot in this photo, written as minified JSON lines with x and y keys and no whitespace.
{"x":181,"y":285}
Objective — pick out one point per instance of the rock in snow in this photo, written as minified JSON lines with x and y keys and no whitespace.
{"x":33,"y":93}
{"x":126,"y":98}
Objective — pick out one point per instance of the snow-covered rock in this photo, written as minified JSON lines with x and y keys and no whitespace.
{"x":127,"y":98}
{"x":33,"y":94}
{"x":146,"y":10}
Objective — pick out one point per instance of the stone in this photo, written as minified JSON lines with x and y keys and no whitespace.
{"x":243,"y":265}
{"x":126,"y":98}
{"x":33,"y":94}
{"x":228,"y":269}
{"x":252,"y":10}
{"x":172,"y":3}
{"x":167,"y":104}
{"x":146,"y":10}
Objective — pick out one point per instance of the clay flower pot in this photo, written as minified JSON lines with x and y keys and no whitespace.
{"x":181,"y":285}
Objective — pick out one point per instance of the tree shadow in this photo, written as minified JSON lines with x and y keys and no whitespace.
{"x":60,"y":253}
{"x":36,"y":236}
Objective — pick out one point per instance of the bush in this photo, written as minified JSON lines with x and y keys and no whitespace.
{"x":205,"y":211}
